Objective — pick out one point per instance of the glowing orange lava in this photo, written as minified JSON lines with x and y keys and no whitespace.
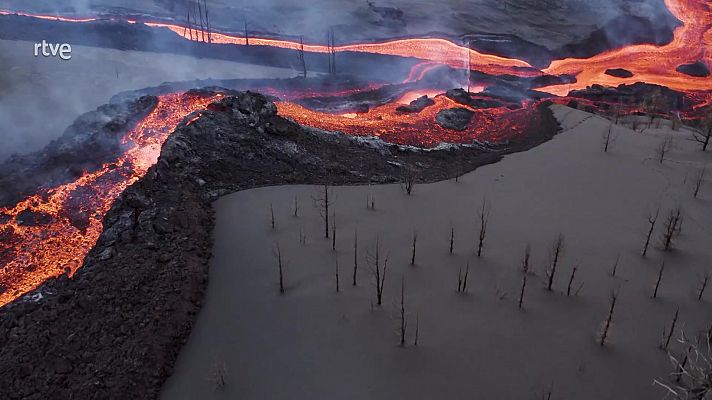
{"x":32,"y":252}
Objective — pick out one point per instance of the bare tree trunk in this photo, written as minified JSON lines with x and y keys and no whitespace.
{"x":467,"y":274}
{"x":271,"y":212}
{"x":355,"y":256}
{"x":556,"y":251}
{"x":521,"y":292}
{"x":296,"y":206}
{"x":571,"y":280}
{"x":337,"y":273}
{"x":200,"y":16}
{"x":484,"y":219}
{"x":615,"y":265}
{"x":660,"y":277}
{"x":402,"y":313}
{"x":701,"y":292}
{"x":699,"y":179}
{"x":452,"y":238}
{"x":412,"y":256}
{"x":666,"y":344}
{"x":300,"y":54}
{"x":333,"y":232}
{"x":672,"y":228}
{"x":527,"y":259}
{"x":278,"y":252}
{"x":607,"y":326}
{"x":207,"y":21}
{"x":417,"y":330}
{"x":247,"y":36}
{"x":652,"y":219}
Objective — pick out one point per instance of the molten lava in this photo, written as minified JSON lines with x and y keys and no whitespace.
{"x":50,"y":233}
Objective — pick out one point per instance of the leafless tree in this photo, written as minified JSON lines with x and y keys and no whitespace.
{"x":609,"y":319}
{"x":296,"y":206}
{"x":526,"y":261}
{"x":484,"y":219}
{"x":271,"y":212}
{"x":609,"y":138}
{"x":666,"y":342}
{"x":417,"y":330}
{"x":403,"y":322}
{"x":652,"y":220}
{"x":333,"y":231}
{"x":280,"y":267}
{"x":355,"y":256}
{"x":699,"y":179}
{"x":703,"y":133}
{"x":408,"y":179}
{"x":331,"y":44}
{"x":452,"y":238}
{"x":672,"y":228}
{"x":571,"y":280}
{"x":300,"y":57}
{"x":555,"y":254}
{"x":412,"y":256}
{"x":207,"y":21}
{"x":660,"y":278}
{"x":247,"y":35}
{"x":323,"y":203}
{"x":703,"y":286}
{"x":615,"y":265}
{"x":379,"y":274}
{"x":664,"y":148}
{"x":336,"y":267}
{"x":521,"y":291}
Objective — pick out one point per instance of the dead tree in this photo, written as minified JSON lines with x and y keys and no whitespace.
{"x":331,"y":46}
{"x":296,"y":206}
{"x":199,"y":11}
{"x":571,"y":280}
{"x":609,"y":319}
{"x":355,"y":256}
{"x":247,"y":35}
{"x":333,"y":232}
{"x":484,"y":219}
{"x":666,"y":343}
{"x":701,"y":290}
{"x":526,"y":261}
{"x":693,"y":374}
{"x":417,"y":330}
{"x":379,"y":274}
{"x":703,"y":134}
{"x":300,"y":57}
{"x":615,"y":265}
{"x":652,"y":220}
{"x":207,"y":21}
{"x":660,"y":278}
{"x":467,"y":274}
{"x":699,"y":179}
{"x":556,"y":250}
{"x":402,"y":313}
{"x":408,"y":179}
{"x":521,"y":291}
{"x":336,"y":267}
{"x":271,"y":212}
{"x":452,"y":238}
{"x":608,"y":138}
{"x":664,"y":148}
{"x":280,"y":267}
{"x":671,"y":228}
{"x":323,"y":203}
{"x":412,"y":256}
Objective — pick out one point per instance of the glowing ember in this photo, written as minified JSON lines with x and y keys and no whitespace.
{"x":65,"y":221}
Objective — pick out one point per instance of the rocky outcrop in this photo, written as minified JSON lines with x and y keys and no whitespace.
{"x":697,"y":69}
{"x":114,"y":330}
{"x":416,"y":105}
{"x":454,"y":118}
{"x":464,"y":98}
{"x":619,"y":73}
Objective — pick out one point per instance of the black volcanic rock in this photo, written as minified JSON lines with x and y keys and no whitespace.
{"x":619,"y":73}
{"x":549,"y":80}
{"x":697,"y":69}
{"x":464,"y":98}
{"x":454,"y":118}
{"x":417,"y":105}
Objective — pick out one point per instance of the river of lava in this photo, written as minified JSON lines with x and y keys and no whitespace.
{"x":418,"y":129}
{"x":50,"y":233}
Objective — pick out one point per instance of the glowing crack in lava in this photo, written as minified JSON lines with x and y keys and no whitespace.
{"x":66,"y":221}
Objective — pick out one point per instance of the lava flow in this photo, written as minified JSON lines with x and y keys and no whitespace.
{"x":50,"y":233}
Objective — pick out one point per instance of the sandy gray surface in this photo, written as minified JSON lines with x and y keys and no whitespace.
{"x":40,"y":97}
{"x":314,"y":343}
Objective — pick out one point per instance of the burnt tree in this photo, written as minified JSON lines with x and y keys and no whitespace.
{"x":484,"y":219}
{"x":672,"y":228}
{"x":652,"y":220}
{"x":555,"y":255}
{"x":609,"y":319}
